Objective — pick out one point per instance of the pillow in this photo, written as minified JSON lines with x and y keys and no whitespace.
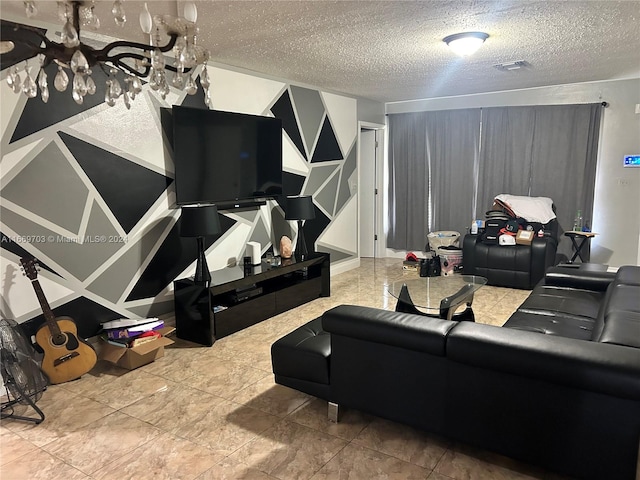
{"x":532,"y":209}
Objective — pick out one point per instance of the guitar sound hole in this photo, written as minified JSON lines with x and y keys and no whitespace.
{"x":66,"y":339}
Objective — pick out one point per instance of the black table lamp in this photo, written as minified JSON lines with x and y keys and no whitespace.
{"x":300,"y":208}
{"x":200,"y":221}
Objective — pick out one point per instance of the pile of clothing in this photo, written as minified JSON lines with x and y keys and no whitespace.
{"x":512,"y":213}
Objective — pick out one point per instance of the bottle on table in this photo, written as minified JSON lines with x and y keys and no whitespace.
{"x":577,"y":222}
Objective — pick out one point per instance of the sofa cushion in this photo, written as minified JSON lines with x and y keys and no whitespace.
{"x":571,"y":301}
{"x":303,"y":354}
{"x":552,"y":324}
{"x":622,"y":328}
{"x":624,"y":298}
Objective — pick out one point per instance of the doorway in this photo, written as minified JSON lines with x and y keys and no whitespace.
{"x":369,"y":197}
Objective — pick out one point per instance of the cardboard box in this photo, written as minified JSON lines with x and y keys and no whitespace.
{"x":130,"y":358}
{"x":524,"y":237}
{"x":411,"y":265}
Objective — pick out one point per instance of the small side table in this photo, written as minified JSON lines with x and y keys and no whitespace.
{"x":584,"y":237}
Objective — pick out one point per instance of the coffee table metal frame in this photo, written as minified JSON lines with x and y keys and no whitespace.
{"x":442,"y":294}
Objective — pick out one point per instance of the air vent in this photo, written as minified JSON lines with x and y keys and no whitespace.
{"x":509,"y":66}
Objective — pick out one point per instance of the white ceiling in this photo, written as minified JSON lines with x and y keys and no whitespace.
{"x":393,"y":50}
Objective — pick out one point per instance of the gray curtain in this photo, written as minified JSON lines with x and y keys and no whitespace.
{"x":408,"y":190}
{"x":542,"y":151}
{"x":505,"y":154}
{"x":453,"y":154}
{"x":446,"y":167}
{"x":432,"y":160}
{"x":563,"y":160}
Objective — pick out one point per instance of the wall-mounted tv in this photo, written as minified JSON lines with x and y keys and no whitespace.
{"x":225,"y":158}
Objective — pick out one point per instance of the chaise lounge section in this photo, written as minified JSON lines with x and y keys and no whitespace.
{"x":557,"y":386}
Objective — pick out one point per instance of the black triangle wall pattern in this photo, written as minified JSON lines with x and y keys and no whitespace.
{"x":128,"y":188}
{"x":327,"y":147}
{"x":38,"y":115}
{"x":283,"y":110}
{"x":173,"y":256}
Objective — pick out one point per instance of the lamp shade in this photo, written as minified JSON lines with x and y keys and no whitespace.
{"x":300,"y":208}
{"x":200,"y":221}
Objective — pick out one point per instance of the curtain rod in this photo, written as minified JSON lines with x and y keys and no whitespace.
{"x":603,"y":104}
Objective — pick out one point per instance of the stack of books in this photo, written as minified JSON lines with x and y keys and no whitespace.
{"x":131,"y":332}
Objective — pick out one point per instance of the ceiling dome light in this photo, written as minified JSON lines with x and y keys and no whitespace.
{"x":466,"y":43}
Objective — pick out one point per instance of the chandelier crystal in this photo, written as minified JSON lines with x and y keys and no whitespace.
{"x":77,"y":60}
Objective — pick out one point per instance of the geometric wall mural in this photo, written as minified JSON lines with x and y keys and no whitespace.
{"x":89,"y":192}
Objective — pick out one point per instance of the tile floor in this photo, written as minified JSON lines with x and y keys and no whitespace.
{"x":215,"y":413}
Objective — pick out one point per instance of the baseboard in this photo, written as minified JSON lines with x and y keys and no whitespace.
{"x":344,"y":266}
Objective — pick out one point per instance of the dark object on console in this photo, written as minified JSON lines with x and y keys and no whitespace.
{"x":515,"y":266}
{"x":548,"y":394}
{"x":300,"y":208}
{"x":200,"y":222}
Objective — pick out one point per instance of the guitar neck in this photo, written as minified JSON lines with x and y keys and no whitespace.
{"x":49,"y":317}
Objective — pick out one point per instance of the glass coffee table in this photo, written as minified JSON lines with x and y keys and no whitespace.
{"x":437,"y":296}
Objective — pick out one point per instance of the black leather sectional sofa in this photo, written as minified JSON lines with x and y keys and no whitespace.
{"x":557,"y":386}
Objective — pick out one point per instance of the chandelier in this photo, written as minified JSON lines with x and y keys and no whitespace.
{"x":135,"y":61}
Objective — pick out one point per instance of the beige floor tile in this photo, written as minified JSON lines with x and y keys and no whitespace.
{"x":103,"y":441}
{"x":268,"y":397}
{"x":314,"y":414}
{"x":13,"y":446}
{"x":227,"y":426}
{"x":40,"y":465}
{"x":230,"y":469}
{"x":176,"y":363}
{"x":64,"y":413}
{"x":173,"y":408}
{"x":290,"y":451}
{"x":466,"y":463}
{"x":225,"y":378}
{"x":106,"y":382}
{"x":403,"y":442}
{"x":166,"y":457}
{"x":355,"y":462}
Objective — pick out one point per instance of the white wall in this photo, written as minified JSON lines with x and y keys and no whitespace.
{"x":616,"y":216}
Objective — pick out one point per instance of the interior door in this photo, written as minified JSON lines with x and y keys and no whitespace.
{"x":367,"y":203}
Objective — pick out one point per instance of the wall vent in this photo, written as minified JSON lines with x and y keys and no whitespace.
{"x":509,"y":66}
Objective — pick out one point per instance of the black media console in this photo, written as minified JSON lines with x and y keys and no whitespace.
{"x":239,"y":296}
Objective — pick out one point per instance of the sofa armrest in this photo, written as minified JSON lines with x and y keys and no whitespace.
{"x":576,"y":278}
{"x":404,"y":330}
{"x":469,"y":253}
{"x":597,"y":367}
{"x":543,"y":254}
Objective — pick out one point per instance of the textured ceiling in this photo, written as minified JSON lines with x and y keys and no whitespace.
{"x":393,"y":50}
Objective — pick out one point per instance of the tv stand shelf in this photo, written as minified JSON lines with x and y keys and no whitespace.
{"x":239,"y":297}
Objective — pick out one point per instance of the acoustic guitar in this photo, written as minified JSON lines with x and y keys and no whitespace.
{"x":66,"y":357}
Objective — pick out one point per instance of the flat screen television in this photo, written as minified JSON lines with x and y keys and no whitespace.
{"x":229,"y":159}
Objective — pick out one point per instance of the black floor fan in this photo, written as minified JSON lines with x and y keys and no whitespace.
{"x":23,"y":380}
